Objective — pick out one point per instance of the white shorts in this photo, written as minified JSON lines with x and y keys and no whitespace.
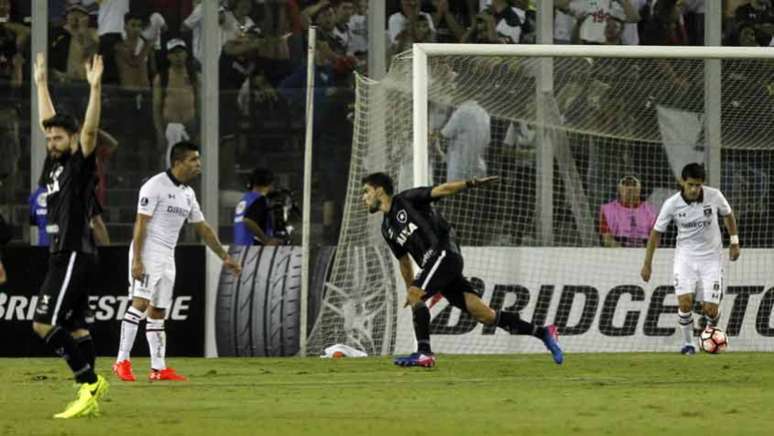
{"x":702,"y":277}
{"x":157,"y":284}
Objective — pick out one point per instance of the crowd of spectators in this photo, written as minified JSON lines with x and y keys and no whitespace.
{"x":153,"y":57}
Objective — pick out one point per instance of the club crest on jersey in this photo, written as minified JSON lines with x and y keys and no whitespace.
{"x":707,"y":211}
{"x":402,"y":216}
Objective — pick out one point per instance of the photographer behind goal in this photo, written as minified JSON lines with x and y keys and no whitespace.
{"x":253,"y":218}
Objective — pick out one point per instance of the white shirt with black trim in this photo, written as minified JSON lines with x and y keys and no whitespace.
{"x":698,"y":231}
{"x":169,"y":203}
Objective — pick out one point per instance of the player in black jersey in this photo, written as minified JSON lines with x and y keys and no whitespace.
{"x":60,"y":315}
{"x":413,"y":228}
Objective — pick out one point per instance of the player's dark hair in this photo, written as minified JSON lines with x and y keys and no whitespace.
{"x":179,"y":151}
{"x":379,"y":180}
{"x":64,"y":121}
{"x":694,"y":171}
{"x":261,"y":177}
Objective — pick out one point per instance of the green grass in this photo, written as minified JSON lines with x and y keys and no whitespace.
{"x":594,"y":394}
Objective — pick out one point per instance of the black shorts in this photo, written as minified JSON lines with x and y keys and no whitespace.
{"x":64,"y":296}
{"x":443,"y":275}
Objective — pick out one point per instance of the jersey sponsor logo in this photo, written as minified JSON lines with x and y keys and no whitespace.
{"x":406,"y":233}
{"x":402,"y":216}
{"x":696,"y":224}
{"x":105,"y":307}
{"x":171,"y":196}
{"x":179,"y":211}
{"x":53,"y":186}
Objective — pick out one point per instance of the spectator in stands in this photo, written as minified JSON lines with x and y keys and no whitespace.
{"x":626,"y":221}
{"x":614,"y":29}
{"x":446,"y":23}
{"x":466,"y":136}
{"x":402,"y":25}
{"x":72,"y":45}
{"x":748,"y":36}
{"x":174,"y":98}
{"x":665,"y":26}
{"x":132,"y":55}
{"x":482,"y":31}
{"x":193,"y":23}
{"x":238,"y":63}
{"x":253,"y":220}
{"x":422,"y":33}
{"x":693,"y":16}
{"x":592,"y":16}
{"x":14,"y":36}
{"x":511,"y":21}
{"x":341,"y":30}
{"x":110,"y":26}
{"x":757,"y":13}
{"x":237,"y":19}
{"x":358,"y":26}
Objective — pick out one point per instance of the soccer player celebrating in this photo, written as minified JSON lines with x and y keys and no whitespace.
{"x":413,"y":228}
{"x":60,"y":315}
{"x":698,"y":255}
{"x":166,"y":202}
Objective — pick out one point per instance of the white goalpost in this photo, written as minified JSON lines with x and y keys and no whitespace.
{"x":571,"y":131}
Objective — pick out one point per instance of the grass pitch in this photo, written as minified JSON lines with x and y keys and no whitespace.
{"x":593,"y":394}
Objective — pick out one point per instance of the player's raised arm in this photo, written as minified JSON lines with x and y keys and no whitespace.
{"x":450,"y":188}
{"x":733,"y":249}
{"x":45,"y":104}
{"x":90,"y":129}
{"x":211,"y":239}
{"x":653,"y":241}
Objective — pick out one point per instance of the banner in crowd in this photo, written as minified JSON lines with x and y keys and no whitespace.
{"x":597,"y":299}
{"x":26,"y":268}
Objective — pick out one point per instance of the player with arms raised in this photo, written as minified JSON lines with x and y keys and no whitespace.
{"x":166,"y":202}
{"x":413,"y":228}
{"x":698,"y":254}
{"x":62,"y":309}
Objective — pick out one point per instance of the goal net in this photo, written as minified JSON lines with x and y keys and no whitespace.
{"x":584,"y":164}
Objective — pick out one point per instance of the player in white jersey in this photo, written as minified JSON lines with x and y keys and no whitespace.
{"x":166,"y":202}
{"x":698,"y":254}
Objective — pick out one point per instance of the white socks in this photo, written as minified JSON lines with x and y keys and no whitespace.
{"x":129,"y":326}
{"x":157,"y":342}
{"x":685,"y":319}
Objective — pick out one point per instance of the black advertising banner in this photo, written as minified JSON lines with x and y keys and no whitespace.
{"x":26,"y":268}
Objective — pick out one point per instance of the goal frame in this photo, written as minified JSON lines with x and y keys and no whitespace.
{"x":544,"y":200}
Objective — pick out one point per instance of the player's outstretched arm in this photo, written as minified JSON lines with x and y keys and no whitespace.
{"x":653,"y":241}
{"x":45,"y":104}
{"x":733,"y":250}
{"x":450,"y":188}
{"x":211,"y":239}
{"x":90,"y":129}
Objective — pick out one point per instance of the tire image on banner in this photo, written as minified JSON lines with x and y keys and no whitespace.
{"x":359,"y":306}
{"x":257,"y":312}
